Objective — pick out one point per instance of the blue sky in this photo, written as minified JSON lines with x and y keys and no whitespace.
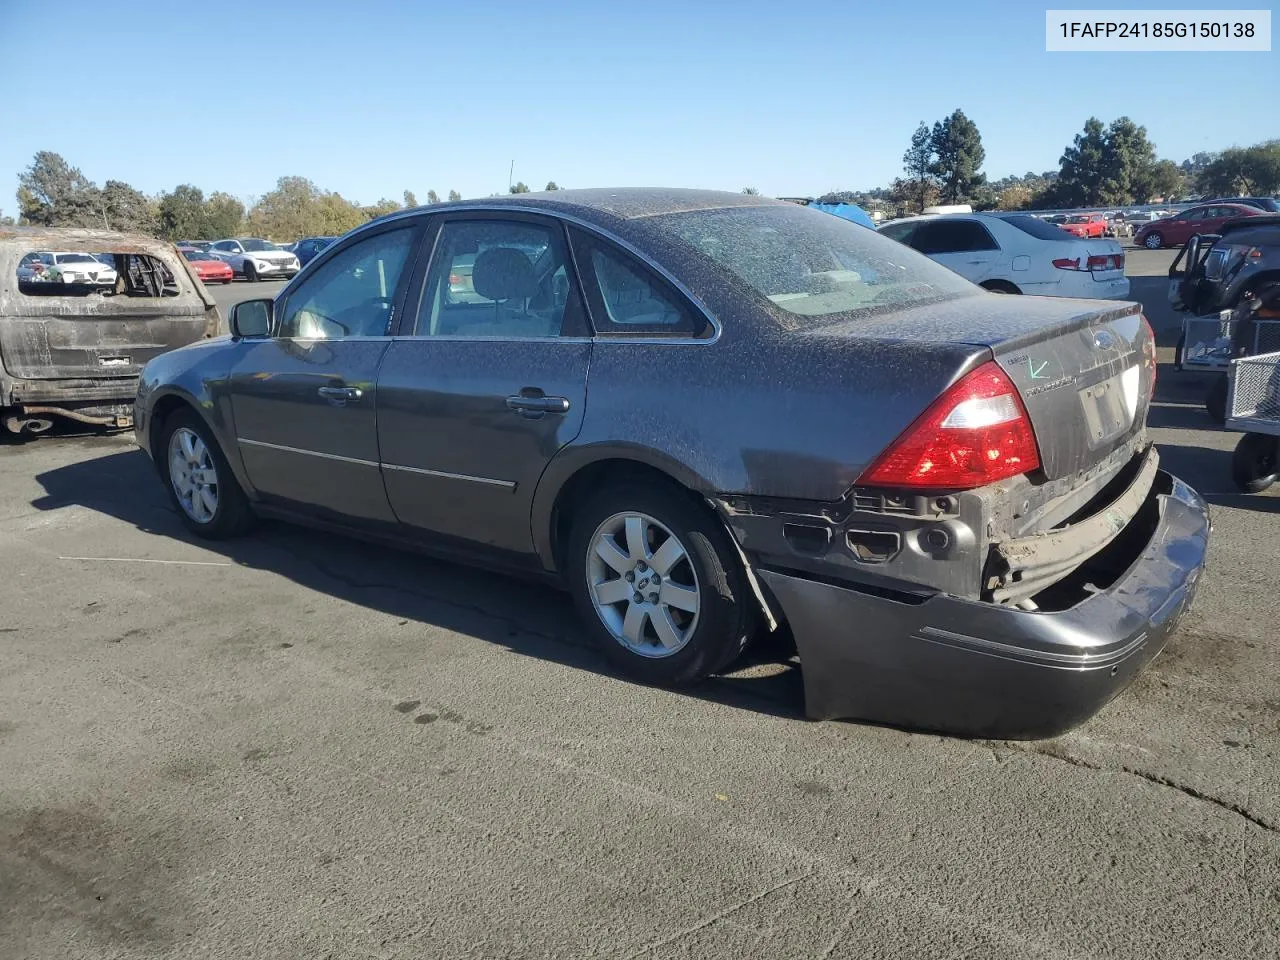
{"x":374,"y":97}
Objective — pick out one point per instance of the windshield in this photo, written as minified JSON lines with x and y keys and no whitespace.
{"x":257,"y":246}
{"x":196,"y":255}
{"x":813,"y":264}
{"x":1077,"y":219}
{"x":73,"y":258}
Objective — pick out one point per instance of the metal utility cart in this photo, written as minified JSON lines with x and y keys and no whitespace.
{"x":1253,"y":408}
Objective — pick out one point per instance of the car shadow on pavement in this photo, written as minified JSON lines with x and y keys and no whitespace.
{"x":528,"y":618}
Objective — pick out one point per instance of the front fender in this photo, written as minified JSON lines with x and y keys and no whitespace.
{"x":197,"y":376}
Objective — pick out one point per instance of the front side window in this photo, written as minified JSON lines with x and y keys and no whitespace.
{"x":352,"y":294}
{"x":497,"y":278}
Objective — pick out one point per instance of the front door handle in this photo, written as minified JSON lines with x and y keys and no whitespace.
{"x":538,"y":405}
{"x":340,"y":394}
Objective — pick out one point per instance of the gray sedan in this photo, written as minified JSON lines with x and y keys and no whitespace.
{"x":710,"y":416}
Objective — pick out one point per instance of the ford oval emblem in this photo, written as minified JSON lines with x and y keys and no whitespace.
{"x":1103,"y":340}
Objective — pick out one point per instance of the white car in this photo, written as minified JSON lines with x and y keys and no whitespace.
{"x":55,"y":267}
{"x":1017,"y":253}
{"x":255,"y":259}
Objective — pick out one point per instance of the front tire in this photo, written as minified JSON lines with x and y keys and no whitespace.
{"x":199,"y":480}
{"x":1153,"y":241}
{"x":1255,"y":462}
{"x":250,"y":273}
{"x":658,"y":583}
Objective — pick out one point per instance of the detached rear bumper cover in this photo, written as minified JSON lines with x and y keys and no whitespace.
{"x":977,"y":669}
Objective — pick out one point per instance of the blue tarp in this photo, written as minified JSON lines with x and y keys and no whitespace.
{"x":849,"y":211}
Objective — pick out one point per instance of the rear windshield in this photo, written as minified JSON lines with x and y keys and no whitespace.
{"x":1038,"y":228}
{"x":812,"y":264}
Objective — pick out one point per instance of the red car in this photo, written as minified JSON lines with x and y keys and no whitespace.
{"x":208,"y":269}
{"x":1086,"y":225}
{"x":1176,"y":230}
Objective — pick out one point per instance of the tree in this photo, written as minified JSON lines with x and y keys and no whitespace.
{"x":1160,"y":179}
{"x":182,"y":214}
{"x":381,"y":209}
{"x":1128,"y":161}
{"x":223,"y":216}
{"x":1015,"y":197}
{"x":454,"y":196}
{"x":433,"y":197}
{"x":298,"y":208}
{"x":410,"y":200}
{"x":127,"y":209}
{"x":5,"y":221}
{"x":520,"y":187}
{"x":1083,"y":167}
{"x":1244,"y":171}
{"x":918,"y":164}
{"x":751,"y":191}
{"x":551,"y":185}
{"x":53,"y":193}
{"x":958,"y":156}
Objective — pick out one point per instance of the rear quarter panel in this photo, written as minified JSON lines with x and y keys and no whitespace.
{"x":797,"y":415}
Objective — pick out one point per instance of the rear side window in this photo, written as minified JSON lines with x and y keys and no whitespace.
{"x":1039,"y":228}
{"x":952,"y":236}
{"x":628,"y":298}
{"x":902,"y":232}
{"x":54,"y":273}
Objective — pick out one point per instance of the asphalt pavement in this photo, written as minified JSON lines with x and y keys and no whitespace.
{"x":299,"y":745}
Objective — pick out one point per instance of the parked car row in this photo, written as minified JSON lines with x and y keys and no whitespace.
{"x":251,"y":258}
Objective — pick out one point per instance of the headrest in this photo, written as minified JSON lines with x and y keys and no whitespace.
{"x":503,"y":273}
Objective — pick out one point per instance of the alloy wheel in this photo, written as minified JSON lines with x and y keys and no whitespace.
{"x":192,"y":475}
{"x":642,"y":584}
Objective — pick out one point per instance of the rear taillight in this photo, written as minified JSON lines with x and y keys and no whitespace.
{"x":1063,"y":263}
{"x":1109,"y":261}
{"x":976,"y":433}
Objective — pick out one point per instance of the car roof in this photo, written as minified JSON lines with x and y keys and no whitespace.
{"x":1247,"y":223}
{"x":605,"y":203}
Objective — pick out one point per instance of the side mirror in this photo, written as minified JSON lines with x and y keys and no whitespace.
{"x":251,"y":318}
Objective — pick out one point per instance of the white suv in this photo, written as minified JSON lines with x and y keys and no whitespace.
{"x":1017,"y":253}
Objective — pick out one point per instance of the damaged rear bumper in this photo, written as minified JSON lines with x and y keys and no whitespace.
{"x":974,"y":668}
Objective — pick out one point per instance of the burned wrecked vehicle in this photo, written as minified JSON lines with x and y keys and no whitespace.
{"x":81,"y":312}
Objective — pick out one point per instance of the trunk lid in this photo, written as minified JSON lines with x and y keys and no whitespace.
{"x":1083,"y":368}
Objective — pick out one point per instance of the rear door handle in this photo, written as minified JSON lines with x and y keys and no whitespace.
{"x":528,"y":405}
{"x":340,"y":394}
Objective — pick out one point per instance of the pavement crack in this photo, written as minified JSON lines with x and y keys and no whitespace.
{"x":719,"y":915}
{"x":1161,"y":781}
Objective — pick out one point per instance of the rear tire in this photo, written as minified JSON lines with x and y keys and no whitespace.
{"x":1256,"y":462}
{"x":654,"y":640}
{"x":1215,"y":401}
{"x":1153,"y":241}
{"x":198,"y":479}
